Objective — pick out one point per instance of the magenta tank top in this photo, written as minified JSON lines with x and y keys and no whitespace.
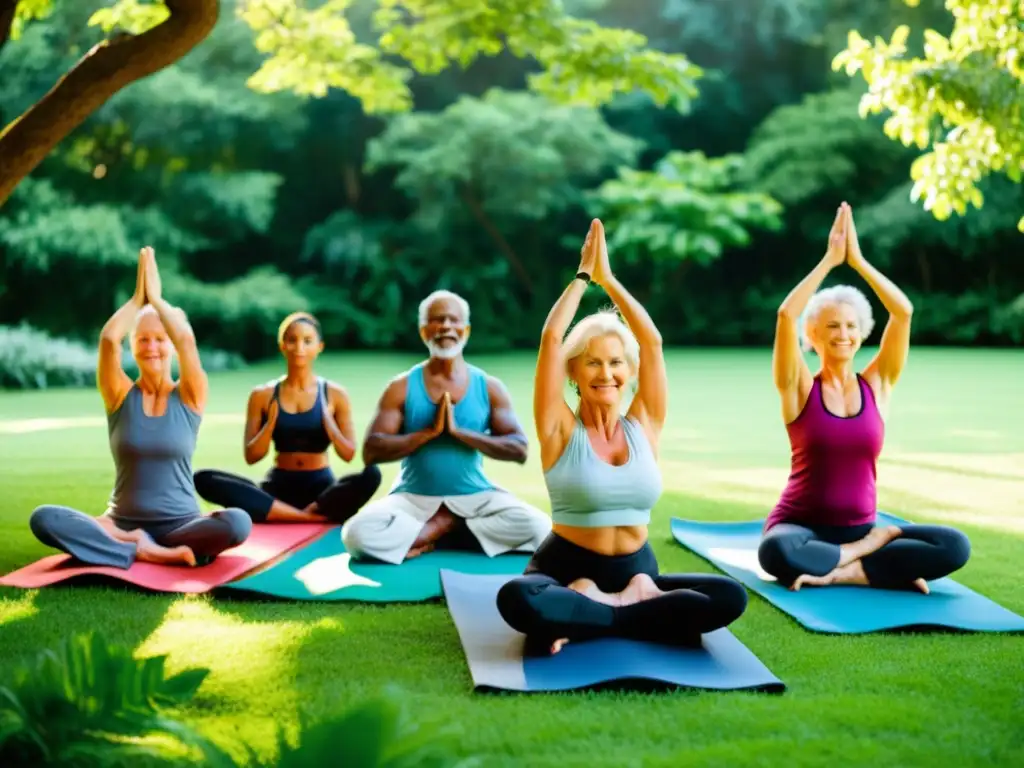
{"x":832,"y":477}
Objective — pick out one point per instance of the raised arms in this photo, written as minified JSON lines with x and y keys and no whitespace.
{"x":383,"y":443}
{"x":650,"y":405}
{"x":895,"y":344}
{"x":193,"y":385}
{"x":111,"y":380}
{"x":552,"y":416}
{"x":789,"y":369}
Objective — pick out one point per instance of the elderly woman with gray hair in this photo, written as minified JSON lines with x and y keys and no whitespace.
{"x":822,"y":531}
{"x":596,"y":574}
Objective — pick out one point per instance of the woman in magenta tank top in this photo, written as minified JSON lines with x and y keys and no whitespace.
{"x":822,"y":531}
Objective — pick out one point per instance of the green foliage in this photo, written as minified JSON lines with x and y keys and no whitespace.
{"x":378,"y":733}
{"x":241,"y":314}
{"x":964,"y":98}
{"x":818,"y":149}
{"x":80,"y":703}
{"x":32,"y":359}
{"x":513,"y":154}
{"x":130,"y":15}
{"x":311,"y":50}
{"x":687,"y":209}
{"x":26,"y":11}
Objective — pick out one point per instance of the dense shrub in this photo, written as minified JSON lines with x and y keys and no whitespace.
{"x":32,"y":359}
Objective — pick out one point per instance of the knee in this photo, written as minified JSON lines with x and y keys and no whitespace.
{"x":202,"y":481}
{"x":732,"y":600}
{"x":514,"y":604}
{"x":371,"y":478}
{"x":956,"y":548}
{"x":239,"y":525}
{"x":354,"y":536}
{"x":44,"y":519}
{"x":772,"y":557}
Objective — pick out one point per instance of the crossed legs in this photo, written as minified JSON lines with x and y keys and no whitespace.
{"x":889,"y":557}
{"x":570,"y":593}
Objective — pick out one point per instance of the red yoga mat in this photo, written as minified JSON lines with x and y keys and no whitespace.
{"x":266,"y":542}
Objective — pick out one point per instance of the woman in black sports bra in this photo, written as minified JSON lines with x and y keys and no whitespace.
{"x":303,"y":415}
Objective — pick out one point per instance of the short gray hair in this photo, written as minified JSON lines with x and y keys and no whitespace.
{"x":443,"y":294}
{"x":838,"y":294}
{"x":604,"y":323}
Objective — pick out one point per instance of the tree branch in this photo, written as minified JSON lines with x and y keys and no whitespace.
{"x":495,"y":234}
{"x":102,"y":72}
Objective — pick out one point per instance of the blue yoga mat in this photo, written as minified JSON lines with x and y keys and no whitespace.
{"x":323,"y":571}
{"x":732,"y":547}
{"x":494,"y":652}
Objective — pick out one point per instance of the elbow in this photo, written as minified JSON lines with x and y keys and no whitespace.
{"x":520,"y":450}
{"x":906,"y":310}
{"x":370,"y":455}
{"x":784,"y":313}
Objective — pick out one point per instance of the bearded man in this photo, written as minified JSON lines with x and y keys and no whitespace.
{"x":440,"y":418}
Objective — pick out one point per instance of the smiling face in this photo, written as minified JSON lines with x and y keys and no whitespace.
{"x":151,"y":346}
{"x":835,"y":333}
{"x":301,"y":344}
{"x":446,"y":331}
{"x":602,"y":371}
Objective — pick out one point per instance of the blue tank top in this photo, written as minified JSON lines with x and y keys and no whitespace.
{"x":444,"y":466}
{"x":153,"y":460}
{"x":301,"y":432}
{"x":588,"y":492}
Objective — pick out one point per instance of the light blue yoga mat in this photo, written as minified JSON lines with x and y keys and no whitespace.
{"x":323,"y":571}
{"x":494,"y":652}
{"x":732,"y":547}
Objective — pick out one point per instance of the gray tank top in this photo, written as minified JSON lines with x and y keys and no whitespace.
{"x":153,"y":460}
{"x":588,"y":492}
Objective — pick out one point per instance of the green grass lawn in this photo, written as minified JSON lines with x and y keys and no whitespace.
{"x":954,"y":454}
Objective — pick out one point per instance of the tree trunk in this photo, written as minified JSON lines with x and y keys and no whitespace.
{"x":102,"y":72}
{"x":503,"y":245}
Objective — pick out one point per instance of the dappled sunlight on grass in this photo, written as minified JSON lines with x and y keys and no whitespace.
{"x":253,"y":663}
{"x":18,"y":607}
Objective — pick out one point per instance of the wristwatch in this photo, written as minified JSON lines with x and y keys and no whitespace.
{"x":582,"y":276}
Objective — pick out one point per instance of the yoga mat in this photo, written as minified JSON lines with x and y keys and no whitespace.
{"x":494,"y":652}
{"x":324,"y":571}
{"x":266,"y":542}
{"x":732,"y":547}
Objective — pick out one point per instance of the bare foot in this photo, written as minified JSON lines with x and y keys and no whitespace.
{"x":850,"y":574}
{"x":641,"y":587}
{"x":417,"y":551}
{"x":922,"y":585}
{"x":150,"y":552}
{"x":588,"y":588}
{"x":557,"y":645}
{"x":877,"y":538}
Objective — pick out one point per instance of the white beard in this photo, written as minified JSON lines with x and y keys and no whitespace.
{"x":446,"y":353}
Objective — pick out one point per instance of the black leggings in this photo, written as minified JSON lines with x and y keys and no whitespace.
{"x":336,"y":499}
{"x":540,"y":605}
{"x":925,"y":552}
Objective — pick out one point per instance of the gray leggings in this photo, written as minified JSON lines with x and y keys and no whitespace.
{"x":82,"y":537}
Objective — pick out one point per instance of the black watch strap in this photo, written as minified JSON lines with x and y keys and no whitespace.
{"x":583,"y":276}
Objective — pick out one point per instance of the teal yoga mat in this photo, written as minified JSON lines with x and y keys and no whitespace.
{"x":323,"y":571}
{"x":732,"y":547}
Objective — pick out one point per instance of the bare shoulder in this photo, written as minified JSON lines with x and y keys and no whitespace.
{"x":262,"y":393}
{"x":336,"y":393}
{"x":394,"y":392}
{"x":497,"y":390}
